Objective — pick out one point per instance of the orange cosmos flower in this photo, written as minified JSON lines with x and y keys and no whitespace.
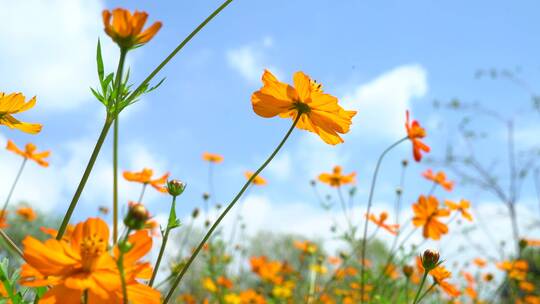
{"x":145,"y":177}
{"x":480,"y":262}
{"x":212,"y":157}
{"x":337,"y":178}
{"x":381,"y":222}
{"x":71,"y":267}
{"x":426,"y":214}
{"x":461,"y":207}
{"x":267,"y":270}
{"x":224,"y":282}
{"x":439,"y":178}
{"x":30,"y":153}
{"x":526,"y":286}
{"x":533,"y":243}
{"x":250,"y":296}
{"x":258,"y":180}
{"x":320,"y":113}
{"x":27,"y":213}
{"x":3,"y":219}
{"x":15,"y":103}
{"x":440,"y":274}
{"x":127,"y":29}
{"x":415,"y":132}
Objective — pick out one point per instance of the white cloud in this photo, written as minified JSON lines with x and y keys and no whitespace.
{"x":49,"y":47}
{"x":250,"y":60}
{"x":382,"y":102}
{"x":281,"y":166}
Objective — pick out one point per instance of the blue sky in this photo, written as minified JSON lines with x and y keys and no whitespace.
{"x":379,"y":57}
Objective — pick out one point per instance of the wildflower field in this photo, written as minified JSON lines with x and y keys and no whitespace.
{"x":288,"y":188}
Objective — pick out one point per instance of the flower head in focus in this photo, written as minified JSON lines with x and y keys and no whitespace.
{"x":415,"y":133}
{"x":15,"y":103}
{"x":30,"y":153}
{"x":337,"y":178}
{"x":126,"y":29}
{"x":319,"y":112}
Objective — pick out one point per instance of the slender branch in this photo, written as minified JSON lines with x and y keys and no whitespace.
{"x":224,"y":213}
{"x":118,"y":89}
{"x":13,"y":187}
{"x":172,"y":217}
{"x":85,"y":177}
{"x":178,"y":49}
{"x":10,"y":243}
{"x":370,"y":200}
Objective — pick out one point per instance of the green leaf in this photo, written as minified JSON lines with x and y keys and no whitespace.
{"x":99,"y":59}
{"x":156,"y":86}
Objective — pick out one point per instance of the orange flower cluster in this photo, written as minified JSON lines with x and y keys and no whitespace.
{"x":267,"y":270}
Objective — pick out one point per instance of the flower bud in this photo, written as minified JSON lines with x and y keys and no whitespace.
{"x":404,"y":163}
{"x":407,"y":271}
{"x":312,"y":183}
{"x":399,"y":191}
{"x":205,"y":196}
{"x":523,"y":244}
{"x":175,"y":187}
{"x":206,"y":223}
{"x":195,"y":213}
{"x":430,"y":259}
{"x":137,"y":216}
{"x":488,"y":277}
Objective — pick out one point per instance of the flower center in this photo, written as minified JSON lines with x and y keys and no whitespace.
{"x":92,"y":247}
{"x":301,"y":107}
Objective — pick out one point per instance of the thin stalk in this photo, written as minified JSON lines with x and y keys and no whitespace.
{"x":420,"y":287}
{"x":120,"y":265}
{"x":10,"y":243}
{"x":346,"y":213}
{"x":118,"y":84}
{"x":426,"y":292}
{"x":172,"y":215}
{"x":224,"y":213}
{"x":370,"y":200}
{"x":13,"y":186}
{"x":85,"y":177}
{"x":142,"y":193}
{"x":178,"y":49}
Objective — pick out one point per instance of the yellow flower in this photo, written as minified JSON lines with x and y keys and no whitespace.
{"x":127,"y":29}
{"x":12,"y":104}
{"x":320,"y":113}
{"x":209,"y":285}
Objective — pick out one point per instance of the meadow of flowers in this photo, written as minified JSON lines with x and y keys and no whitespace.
{"x":49,"y":260}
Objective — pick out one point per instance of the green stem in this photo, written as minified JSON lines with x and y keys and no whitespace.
{"x":224,"y":213}
{"x":118,"y":90}
{"x":370,"y":200}
{"x":426,"y":292}
{"x":178,"y":49}
{"x":10,"y":243}
{"x":3,"y":212}
{"x":420,"y":287}
{"x":120,"y":265}
{"x":84,"y":178}
{"x":172,"y":217}
{"x":142,"y":193}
